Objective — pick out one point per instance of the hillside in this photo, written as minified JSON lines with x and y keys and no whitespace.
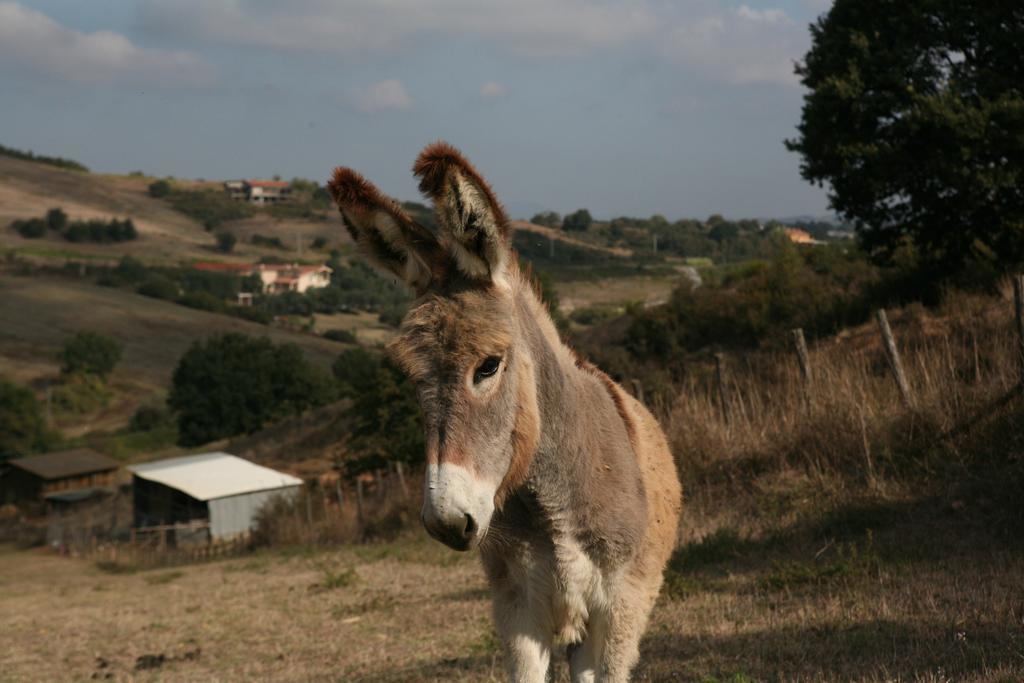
{"x":154,"y":334}
{"x":28,"y":190}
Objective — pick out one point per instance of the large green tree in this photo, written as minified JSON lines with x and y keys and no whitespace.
{"x":234,"y":384}
{"x":914,"y":118}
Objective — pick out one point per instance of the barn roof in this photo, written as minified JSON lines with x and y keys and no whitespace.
{"x":213,"y":475}
{"x":61,"y":464}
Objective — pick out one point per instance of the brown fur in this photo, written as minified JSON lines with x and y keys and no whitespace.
{"x":433,"y":168}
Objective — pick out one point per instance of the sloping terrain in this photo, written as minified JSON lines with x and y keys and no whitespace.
{"x":29,"y":190}
{"x":39,"y":313}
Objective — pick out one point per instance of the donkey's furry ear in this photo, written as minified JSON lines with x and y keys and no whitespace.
{"x":386,"y":234}
{"x":467,"y":211}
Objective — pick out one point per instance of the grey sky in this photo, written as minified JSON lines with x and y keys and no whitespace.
{"x":627,"y":107}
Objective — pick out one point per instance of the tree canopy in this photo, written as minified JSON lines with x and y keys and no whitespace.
{"x":90,"y":353}
{"x":913,"y":119}
{"x":234,"y":384}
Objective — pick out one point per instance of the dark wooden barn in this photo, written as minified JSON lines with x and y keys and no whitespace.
{"x":33,"y":478}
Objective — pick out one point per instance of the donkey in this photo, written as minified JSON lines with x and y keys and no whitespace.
{"x":563,"y":481}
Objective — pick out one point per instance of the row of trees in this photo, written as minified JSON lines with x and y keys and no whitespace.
{"x":94,"y":230}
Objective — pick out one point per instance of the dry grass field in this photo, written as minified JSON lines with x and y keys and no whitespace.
{"x":412,"y":610}
{"x":29,"y":189}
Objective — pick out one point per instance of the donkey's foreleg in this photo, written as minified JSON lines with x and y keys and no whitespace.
{"x":626,"y":621}
{"x":527,"y":643}
{"x":585,"y":657}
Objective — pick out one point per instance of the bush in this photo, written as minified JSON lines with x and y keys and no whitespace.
{"x":577,"y":221}
{"x":209,"y":207}
{"x":22,"y":425}
{"x":343,"y":336}
{"x":90,"y":353}
{"x":226,"y":241}
{"x":149,"y":418}
{"x":159,"y":189}
{"x":101,"y":231}
{"x":264,"y":241}
{"x":204,"y":301}
{"x":387,"y":424}
{"x":56,"y":219}
{"x":159,"y":287}
{"x":78,"y":394}
{"x":319,"y":242}
{"x":32,"y":228}
{"x":234,"y":384}
{"x":356,"y":370}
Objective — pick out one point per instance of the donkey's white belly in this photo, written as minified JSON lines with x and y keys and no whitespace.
{"x":562,"y":588}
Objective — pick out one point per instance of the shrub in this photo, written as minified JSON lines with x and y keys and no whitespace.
{"x":226,"y":241}
{"x":356,"y":370}
{"x":343,"y":336}
{"x":159,"y":287}
{"x":22,"y":425}
{"x":577,"y":221}
{"x":148,"y":418}
{"x":90,"y":353}
{"x":56,"y":219}
{"x":264,"y":241}
{"x":234,"y":384}
{"x":319,"y":242}
{"x":209,"y":207}
{"x":204,"y":301}
{"x":32,"y":228}
{"x":159,"y":189}
{"x":101,"y":231}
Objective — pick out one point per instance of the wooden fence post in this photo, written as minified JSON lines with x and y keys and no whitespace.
{"x":893,"y":355}
{"x":801,"y":355}
{"x":359,"y":501}
{"x":723,"y":389}
{"x":400,"y":471}
{"x":1018,"y":306}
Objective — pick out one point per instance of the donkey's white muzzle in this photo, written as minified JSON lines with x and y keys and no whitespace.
{"x":457,"y":507}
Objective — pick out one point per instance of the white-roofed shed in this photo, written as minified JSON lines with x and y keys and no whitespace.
{"x":223,"y":488}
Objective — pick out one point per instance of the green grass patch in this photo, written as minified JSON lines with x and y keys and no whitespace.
{"x":850,"y":561}
{"x":723,"y":545}
{"x":163,"y":577}
{"x":331,"y":578}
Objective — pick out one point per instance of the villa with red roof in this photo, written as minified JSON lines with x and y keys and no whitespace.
{"x":276,"y":277}
{"x":259,"y":191}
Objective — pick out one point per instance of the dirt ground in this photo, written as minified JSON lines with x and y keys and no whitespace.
{"x":411,"y":610}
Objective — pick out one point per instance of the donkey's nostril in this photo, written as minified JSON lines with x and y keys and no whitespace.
{"x":470,"y":529}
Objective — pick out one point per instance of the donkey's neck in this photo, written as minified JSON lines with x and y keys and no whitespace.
{"x":584,"y":470}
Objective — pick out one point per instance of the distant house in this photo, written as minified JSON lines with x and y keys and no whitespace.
{"x":259,"y":191}
{"x":276,"y":277}
{"x":798,"y":236}
{"x":218,"y":492}
{"x":40,"y":477}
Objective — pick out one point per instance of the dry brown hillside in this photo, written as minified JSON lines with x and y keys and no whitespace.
{"x":154,"y":334}
{"x":29,"y":189}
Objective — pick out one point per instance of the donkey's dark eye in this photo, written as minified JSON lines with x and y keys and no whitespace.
{"x":486,"y":369}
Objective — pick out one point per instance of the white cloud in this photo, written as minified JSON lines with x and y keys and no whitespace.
{"x":31,"y":39}
{"x":738,"y":45}
{"x":389,"y":94}
{"x":492,"y":90}
{"x":539,"y":28}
